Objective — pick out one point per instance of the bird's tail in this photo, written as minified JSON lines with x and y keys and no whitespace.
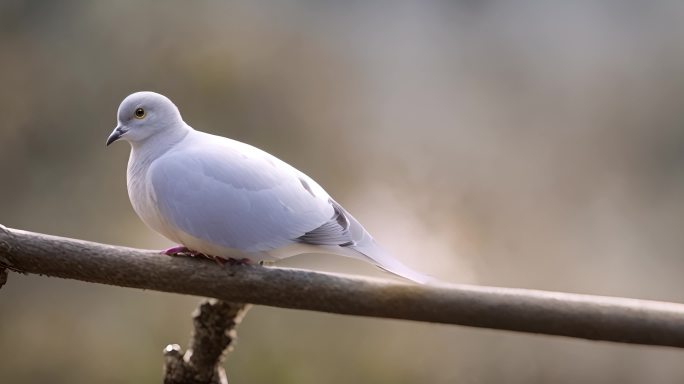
{"x":364,"y":248}
{"x":369,"y":249}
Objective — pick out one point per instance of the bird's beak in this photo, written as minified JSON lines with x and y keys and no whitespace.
{"x":116,"y":134}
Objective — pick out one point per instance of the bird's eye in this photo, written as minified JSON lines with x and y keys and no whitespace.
{"x":139,"y":113}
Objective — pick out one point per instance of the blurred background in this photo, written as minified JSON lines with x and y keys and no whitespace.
{"x":535,"y":144}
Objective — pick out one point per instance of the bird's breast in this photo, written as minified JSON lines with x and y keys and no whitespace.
{"x":141,"y":195}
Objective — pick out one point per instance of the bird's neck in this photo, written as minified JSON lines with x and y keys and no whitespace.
{"x":144,"y":153}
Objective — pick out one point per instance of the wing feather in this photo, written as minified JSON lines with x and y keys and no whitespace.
{"x":335,"y":231}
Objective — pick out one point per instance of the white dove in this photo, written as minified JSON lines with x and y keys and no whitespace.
{"x":229,"y":200}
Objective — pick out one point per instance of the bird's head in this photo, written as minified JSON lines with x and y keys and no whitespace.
{"x":143,"y":115}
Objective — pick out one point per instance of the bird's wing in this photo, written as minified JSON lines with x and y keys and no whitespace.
{"x":233,"y":195}
{"x":335,"y":231}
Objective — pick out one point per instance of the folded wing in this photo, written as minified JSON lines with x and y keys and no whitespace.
{"x":234,"y":195}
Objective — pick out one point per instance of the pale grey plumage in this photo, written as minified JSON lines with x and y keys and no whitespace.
{"x":225,"y":198}
{"x":253,"y":195}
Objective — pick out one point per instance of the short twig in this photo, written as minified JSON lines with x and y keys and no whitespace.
{"x":3,"y":276}
{"x":213,"y":336}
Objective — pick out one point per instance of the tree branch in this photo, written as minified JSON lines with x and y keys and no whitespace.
{"x":215,"y":322}
{"x":553,"y":313}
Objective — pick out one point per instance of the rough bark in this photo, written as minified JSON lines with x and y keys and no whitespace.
{"x":553,"y":313}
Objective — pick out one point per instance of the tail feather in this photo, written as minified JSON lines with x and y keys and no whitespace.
{"x":363,"y":247}
{"x":369,"y":249}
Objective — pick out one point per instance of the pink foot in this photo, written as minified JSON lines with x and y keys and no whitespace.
{"x":173,"y":251}
{"x":218,"y":259}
